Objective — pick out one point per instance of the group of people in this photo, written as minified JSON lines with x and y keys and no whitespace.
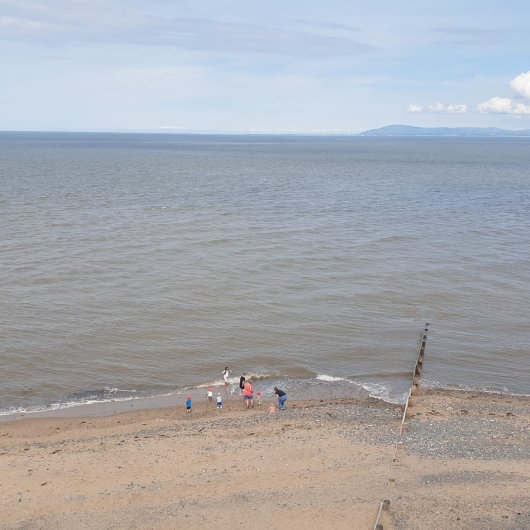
{"x":219,"y":398}
{"x":246,"y":390}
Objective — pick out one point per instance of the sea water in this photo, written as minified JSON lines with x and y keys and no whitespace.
{"x":141,"y":265}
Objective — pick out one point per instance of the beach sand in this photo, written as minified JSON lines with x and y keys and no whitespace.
{"x":463,"y":461}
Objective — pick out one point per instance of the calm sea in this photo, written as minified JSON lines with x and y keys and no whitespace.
{"x":140,"y":265}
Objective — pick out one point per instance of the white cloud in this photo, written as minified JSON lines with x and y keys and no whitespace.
{"x":497,"y":105}
{"x":456,"y":109}
{"x":521,"y":85}
{"x":438,"y":108}
{"x":90,"y":24}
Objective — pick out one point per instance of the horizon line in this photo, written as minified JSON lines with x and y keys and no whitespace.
{"x":251,"y":132}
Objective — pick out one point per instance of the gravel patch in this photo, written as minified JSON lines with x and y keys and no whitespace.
{"x":449,"y":514}
{"x":469,"y":437}
{"x":470,"y":477}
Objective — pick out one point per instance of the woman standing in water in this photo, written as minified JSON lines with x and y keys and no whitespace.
{"x":226,"y":374}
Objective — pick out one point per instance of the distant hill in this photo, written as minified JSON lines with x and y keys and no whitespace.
{"x":408,"y":130}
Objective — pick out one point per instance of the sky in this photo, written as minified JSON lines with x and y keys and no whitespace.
{"x":289,"y":66}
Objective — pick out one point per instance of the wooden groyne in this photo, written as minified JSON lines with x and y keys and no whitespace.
{"x":418,"y":365}
{"x":416,"y":374}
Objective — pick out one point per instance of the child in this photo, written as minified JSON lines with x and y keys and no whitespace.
{"x":259,"y":398}
{"x":188,"y":403}
{"x":209,"y":395}
{"x":219,"y":401}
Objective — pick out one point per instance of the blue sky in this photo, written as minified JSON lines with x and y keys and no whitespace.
{"x":289,"y":66}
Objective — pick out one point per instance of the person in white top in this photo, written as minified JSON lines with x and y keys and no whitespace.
{"x":226,"y":373}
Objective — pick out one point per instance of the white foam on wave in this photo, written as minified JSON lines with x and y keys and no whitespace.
{"x":233,"y":380}
{"x":434,"y":384}
{"x":218,"y":382}
{"x":60,"y":405}
{"x":330,"y":378}
{"x":12,"y":411}
{"x":383,"y":392}
{"x":66,"y":405}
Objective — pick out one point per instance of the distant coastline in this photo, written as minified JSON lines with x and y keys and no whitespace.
{"x":386,"y":131}
{"x":409,"y":130}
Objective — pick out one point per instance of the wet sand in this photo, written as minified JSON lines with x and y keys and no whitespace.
{"x":463,"y":461}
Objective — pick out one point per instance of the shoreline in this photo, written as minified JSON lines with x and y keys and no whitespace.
{"x":174,"y":403}
{"x":463,"y":461}
{"x":304,"y":390}
{"x":111,"y":407}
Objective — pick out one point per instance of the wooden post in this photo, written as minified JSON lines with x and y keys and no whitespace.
{"x":414,"y":387}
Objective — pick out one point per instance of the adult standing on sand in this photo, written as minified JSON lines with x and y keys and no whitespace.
{"x":248,"y":394}
{"x":282,"y":398}
{"x":226,"y":374}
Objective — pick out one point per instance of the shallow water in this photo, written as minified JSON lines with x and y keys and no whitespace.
{"x":138,"y":265}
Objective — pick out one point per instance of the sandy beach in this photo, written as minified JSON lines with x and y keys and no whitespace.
{"x":463,"y":461}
